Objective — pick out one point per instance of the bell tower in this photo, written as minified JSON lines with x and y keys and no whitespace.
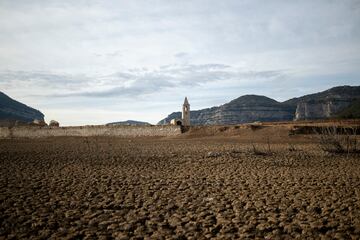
{"x":186,"y":113}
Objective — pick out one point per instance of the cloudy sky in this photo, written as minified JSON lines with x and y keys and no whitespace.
{"x":93,"y":62}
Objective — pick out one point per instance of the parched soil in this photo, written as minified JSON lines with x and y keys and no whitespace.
{"x":181,"y":188}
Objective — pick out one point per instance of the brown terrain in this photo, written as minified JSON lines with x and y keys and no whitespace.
{"x":221,"y":182}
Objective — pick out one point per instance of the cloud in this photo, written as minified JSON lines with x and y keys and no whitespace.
{"x":97,"y":53}
{"x":133,"y":82}
{"x":181,"y":55}
{"x":143,"y":82}
{"x":65,"y":36}
{"x":41,"y":79}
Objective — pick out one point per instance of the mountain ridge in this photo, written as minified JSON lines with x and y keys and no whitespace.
{"x":128,"y":123}
{"x":251,"y":108}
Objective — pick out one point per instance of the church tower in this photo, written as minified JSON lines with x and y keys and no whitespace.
{"x":186,"y":113}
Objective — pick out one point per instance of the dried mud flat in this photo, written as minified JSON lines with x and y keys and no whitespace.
{"x":185,"y":188}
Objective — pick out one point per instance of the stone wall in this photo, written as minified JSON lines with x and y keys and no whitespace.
{"x":4,"y":132}
{"x":87,"y":131}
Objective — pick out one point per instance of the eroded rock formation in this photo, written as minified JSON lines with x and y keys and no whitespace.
{"x":326,"y":104}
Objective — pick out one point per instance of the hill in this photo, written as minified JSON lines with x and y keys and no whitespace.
{"x":251,"y":108}
{"x":248,"y":108}
{"x":129,"y":123}
{"x":352,"y":111}
{"x":12,"y":110}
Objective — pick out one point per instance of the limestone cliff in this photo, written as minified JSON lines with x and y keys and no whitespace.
{"x":319,"y":110}
{"x":326,"y":104}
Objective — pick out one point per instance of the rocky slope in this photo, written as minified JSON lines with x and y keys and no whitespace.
{"x":250,"y":108}
{"x":12,"y":110}
{"x":326,"y":104}
{"x":350,"y":112}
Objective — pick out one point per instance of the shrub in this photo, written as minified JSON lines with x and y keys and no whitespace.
{"x":262,"y":152}
{"x":337,"y":140}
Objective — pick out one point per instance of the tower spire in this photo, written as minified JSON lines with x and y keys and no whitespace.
{"x":186,"y":102}
{"x":186,"y":113}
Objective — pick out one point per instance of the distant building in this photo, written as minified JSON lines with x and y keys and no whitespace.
{"x":186,"y":113}
{"x":54,"y":123}
{"x":185,"y":121}
{"x":176,"y":121}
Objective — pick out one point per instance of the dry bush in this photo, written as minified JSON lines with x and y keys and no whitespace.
{"x":257,"y":151}
{"x":336,"y":140}
{"x":262,"y":152}
{"x":292,"y":148}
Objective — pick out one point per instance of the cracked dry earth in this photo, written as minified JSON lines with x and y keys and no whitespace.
{"x":152,"y":188}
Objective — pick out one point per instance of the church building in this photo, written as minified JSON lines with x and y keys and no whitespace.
{"x":185,"y":118}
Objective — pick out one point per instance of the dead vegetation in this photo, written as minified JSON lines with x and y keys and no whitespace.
{"x":333,"y":139}
{"x":338,"y":140}
{"x":262,"y":151}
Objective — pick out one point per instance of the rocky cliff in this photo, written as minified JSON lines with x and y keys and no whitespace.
{"x":12,"y":110}
{"x":326,"y":104}
{"x":250,"y":108}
